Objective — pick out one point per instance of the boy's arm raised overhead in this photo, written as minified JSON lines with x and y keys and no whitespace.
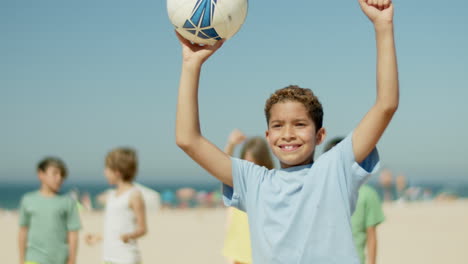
{"x":370,"y":129}
{"x":188,"y":134}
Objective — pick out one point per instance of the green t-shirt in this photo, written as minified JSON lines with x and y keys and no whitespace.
{"x":49,"y":219}
{"x":368,"y":213}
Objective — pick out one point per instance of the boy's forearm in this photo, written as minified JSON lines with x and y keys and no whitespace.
{"x":229,"y":148}
{"x":22,"y":239}
{"x":371,"y":245}
{"x":187,"y":120}
{"x":137,"y":234}
{"x":72,"y":246}
{"x":387,"y":72}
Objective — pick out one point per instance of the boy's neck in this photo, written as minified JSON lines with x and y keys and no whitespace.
{"x":307,"y":162}
{"x":47,"y":192}
{"x":123,"y":185}
{"x":308,"y":165}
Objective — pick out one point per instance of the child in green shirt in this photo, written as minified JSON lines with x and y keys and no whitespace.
{"x":49,"y":221}
{"x":367,"y":216}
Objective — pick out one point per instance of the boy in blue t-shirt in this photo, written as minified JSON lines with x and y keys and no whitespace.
{"x":301,"y":212}
{"x":49,"y":222}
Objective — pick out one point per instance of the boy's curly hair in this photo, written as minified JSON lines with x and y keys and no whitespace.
{"x":295,"y":93}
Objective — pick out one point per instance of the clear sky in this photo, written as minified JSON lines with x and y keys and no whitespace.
{"x":78,"y":78}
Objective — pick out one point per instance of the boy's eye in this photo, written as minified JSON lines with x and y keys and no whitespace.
{"x":276,"y":126}
{"x":300,"y":124}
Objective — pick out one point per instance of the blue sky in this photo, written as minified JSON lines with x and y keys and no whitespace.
{"x":78,"y":78}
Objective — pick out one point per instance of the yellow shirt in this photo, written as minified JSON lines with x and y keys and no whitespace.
{"x":237,"y":242}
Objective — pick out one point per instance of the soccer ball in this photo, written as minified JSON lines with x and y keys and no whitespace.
{"x":207,"y":21}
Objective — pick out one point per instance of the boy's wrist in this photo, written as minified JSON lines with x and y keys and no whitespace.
{"x":382,"y":27}
{"x":191,"y":68}
{"x":192,"y":64}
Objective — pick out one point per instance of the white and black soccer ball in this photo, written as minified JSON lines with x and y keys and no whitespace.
{"x":207,"y":21}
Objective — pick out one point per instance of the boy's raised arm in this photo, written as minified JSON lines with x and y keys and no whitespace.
{"x":370,"y":129}
{"x":188,"y":134}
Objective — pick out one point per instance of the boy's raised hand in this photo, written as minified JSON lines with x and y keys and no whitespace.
{"x":378,"y":11}
{"x":236,"y":137}
{"x":194,"y":53}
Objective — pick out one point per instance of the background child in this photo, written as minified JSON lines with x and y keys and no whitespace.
{"x":125,"y":215}
{"x":237,"y":247}
{"x":301,"y":212}
{"x":366,"y":217}
{"x":49,"y":221}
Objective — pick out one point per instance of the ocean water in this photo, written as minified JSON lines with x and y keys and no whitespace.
{"x":11,"y":193}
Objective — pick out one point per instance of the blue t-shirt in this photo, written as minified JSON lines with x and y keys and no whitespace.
{"x":301,"y":215}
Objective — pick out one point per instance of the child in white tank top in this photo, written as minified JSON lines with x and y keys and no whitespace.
{"x":125,"y":216}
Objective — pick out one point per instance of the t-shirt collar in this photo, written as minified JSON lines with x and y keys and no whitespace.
{"x":298,"y":168}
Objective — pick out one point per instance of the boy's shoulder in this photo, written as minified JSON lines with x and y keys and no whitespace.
{"x":31,"y":195}
{"x":65,"y":198}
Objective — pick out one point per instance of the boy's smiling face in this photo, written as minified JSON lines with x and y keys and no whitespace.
{"x":292,"y":135}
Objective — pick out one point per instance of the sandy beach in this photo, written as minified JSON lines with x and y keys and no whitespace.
{"x":421,"y":232}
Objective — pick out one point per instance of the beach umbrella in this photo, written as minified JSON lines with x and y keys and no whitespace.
{"x":168,"y":198}
{"x":185,"y":195}
{"x":151,"y":197}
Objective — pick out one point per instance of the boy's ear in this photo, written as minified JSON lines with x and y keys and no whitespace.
{"x":320,"y":136}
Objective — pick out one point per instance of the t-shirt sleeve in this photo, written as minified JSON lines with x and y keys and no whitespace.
{"x":24,"y":215}
{"x":246,"y":178}
{"x":374,"y":214}
{"x":354,"y":174}
{"x":73,"y":216}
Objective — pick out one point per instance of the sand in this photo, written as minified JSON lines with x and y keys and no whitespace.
{"x":422,"y":232}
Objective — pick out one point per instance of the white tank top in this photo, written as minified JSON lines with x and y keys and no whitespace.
{"x":119,"y":219}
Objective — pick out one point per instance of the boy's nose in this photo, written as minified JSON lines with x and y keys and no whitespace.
{"x":288,"y":133}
